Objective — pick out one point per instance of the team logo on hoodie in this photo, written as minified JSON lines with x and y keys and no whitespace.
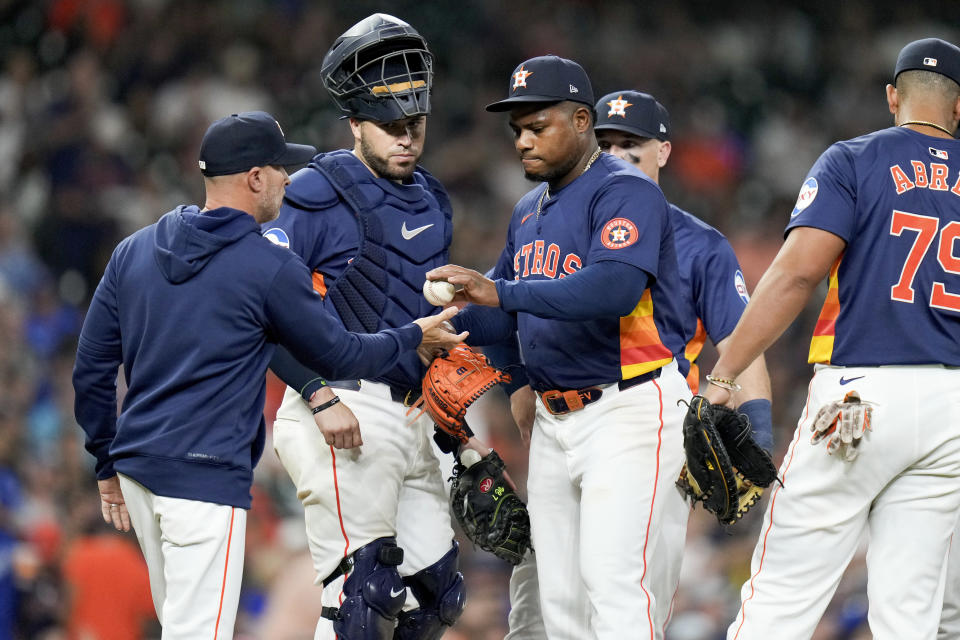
{"x":277,"y":236}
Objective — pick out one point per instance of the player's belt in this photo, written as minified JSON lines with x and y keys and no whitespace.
{"x":406,"y":397}
{"x":560,"y":402}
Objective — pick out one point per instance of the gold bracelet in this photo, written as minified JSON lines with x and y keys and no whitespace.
{"x":724,"y":383}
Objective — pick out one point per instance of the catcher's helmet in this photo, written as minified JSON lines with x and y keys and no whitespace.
{"x":380,"y":69}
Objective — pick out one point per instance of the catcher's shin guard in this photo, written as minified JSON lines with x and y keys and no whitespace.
{"x":374,"y":593}
{"x":439,"y":590}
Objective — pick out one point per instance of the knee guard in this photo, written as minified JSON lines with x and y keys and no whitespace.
{"x":373,"y":592}
{"x":439,"y":590}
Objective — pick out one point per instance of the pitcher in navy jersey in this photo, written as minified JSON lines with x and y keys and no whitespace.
{"x":879,"y":217}
{"x":636,"y":128}
{"x":588,"y":280}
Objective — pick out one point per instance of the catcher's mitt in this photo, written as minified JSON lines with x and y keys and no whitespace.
{"x":726,"y":469}
{"x":454,"y":380}
{"x":488,"y":510}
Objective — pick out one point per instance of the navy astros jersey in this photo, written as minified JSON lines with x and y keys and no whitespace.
{"x":611,"y":212}
{"x":905,"y":307}
{"x":714,"y":290}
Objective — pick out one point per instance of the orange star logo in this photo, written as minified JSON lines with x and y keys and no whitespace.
{"x":618,"y":107}
{"x":520,"y":78}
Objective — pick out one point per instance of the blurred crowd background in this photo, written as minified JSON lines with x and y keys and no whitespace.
{"x":102,"y":106}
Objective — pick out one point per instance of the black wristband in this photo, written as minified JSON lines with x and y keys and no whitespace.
{"x":326,"y":405}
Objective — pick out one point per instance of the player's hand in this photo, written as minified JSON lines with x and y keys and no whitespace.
{"x":340,"y":428}
{"x":718,"y":395}
{"x":112,"y":505}
{"x":474,"y":286}
{"x":428,"y":352}
{"x":523,"y":406}
{"x":477,"y":445}
{"x":435,"y":336}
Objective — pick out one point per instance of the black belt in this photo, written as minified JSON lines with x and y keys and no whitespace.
{"x":560,"y":402}
{"x":406,"y":397}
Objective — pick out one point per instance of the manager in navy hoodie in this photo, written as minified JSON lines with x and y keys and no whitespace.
{"x":193,"y":308}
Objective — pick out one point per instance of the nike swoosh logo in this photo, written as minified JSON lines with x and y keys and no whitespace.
{"x":849,"y":380}
{"x":394,"y":594}
{"x":524,"y":218}
{"x":409,"y":234}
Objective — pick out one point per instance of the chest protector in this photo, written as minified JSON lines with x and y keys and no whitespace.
{"x":404,"y":231}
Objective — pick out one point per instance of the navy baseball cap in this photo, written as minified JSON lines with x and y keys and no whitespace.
{"x":245,"y":140}
{"x":634,"y":112}
{"x":930,"y":54}
{"x":546,"y":79}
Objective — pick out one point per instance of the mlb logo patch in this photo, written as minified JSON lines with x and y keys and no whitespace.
{"x":939,"y":153}
{"x":930,"y":62}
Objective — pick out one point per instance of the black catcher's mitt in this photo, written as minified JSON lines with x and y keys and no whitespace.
{"x":487,"y":508}
{"x":726,"y":469}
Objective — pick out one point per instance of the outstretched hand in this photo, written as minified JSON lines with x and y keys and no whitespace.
{"x":474,"y":286}
{"x":435,"y":336}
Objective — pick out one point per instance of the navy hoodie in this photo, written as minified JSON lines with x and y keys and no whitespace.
{"x":193,"y":307}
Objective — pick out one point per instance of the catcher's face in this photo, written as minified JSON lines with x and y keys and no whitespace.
{"x":647,"y":154}
{"x":390,"y":149}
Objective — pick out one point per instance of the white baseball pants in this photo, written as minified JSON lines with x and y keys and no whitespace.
{"x":194,"y":553}
{"x":903,"y":490}
{"x":390,"y":486}
{"x":608,"y":521}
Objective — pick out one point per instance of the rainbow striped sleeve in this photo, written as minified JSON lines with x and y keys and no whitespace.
{"x":821,"y":345}
{"x":640,"y":347}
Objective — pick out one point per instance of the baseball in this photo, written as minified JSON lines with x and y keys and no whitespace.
{"x":438,"y":292}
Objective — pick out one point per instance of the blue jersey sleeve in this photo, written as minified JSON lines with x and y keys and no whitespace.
{"x":299,"y":321}
{"x":827,"y":198}
{"x":585,"y":295}
{"x":99,"y":355}
{"x":628,"y":216}
{"x":326,"y":237}
{"x":720,"y":292}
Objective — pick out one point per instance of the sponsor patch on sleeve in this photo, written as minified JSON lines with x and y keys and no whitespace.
{"x":808,"y":193}
{"x":277,"y":236}
{"x":618,"y":233}
{"x":741,"y":286}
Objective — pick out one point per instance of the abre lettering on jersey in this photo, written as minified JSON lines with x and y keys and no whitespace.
{"x":808,"y":192}
{"x":935,"y":178}
{"x":619,"y":233}
{"x":538,"y":258}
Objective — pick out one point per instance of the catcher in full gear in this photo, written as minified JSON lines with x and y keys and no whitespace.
{"x":369,"y":222}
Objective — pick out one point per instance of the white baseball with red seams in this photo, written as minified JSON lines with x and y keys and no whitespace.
{"x":438,"y":292}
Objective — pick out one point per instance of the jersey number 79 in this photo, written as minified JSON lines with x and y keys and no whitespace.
{"x":926,"y":228}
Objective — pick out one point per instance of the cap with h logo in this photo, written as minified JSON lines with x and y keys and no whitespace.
{"x":930,"y":54}
{"x":633,"y":112}
{"x":245,"y":140}
{"x":546,"y":79}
